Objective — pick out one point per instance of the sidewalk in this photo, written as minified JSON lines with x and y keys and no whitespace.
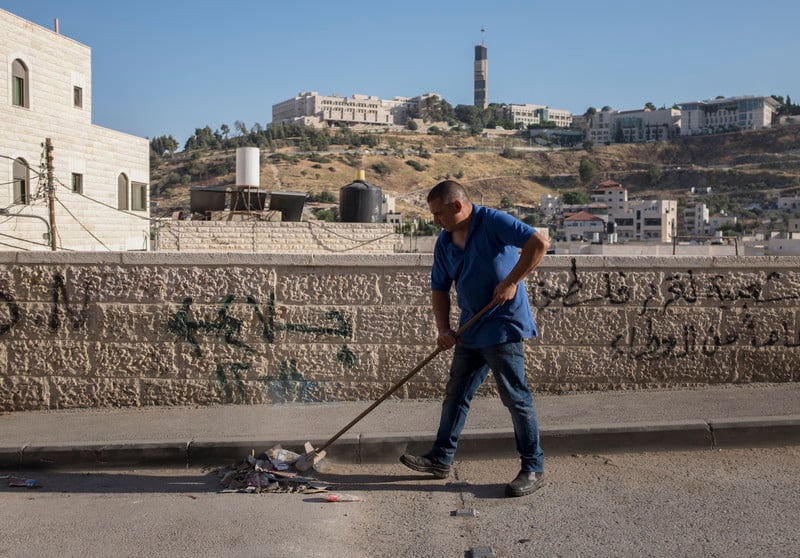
{"x":708,"y":417}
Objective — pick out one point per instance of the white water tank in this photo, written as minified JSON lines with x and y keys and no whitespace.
{"x":248,"y":166}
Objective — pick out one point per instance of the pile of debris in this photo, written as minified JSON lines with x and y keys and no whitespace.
{"x":271,"y":471}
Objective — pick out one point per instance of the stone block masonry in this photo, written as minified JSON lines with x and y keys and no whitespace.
{"x":135,"y":329}
{"x":306,"y":237}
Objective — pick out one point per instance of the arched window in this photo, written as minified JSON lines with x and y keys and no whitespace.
{"x":21,"y":182}
{"x":122,"y":192}
{"x":19,"y":83}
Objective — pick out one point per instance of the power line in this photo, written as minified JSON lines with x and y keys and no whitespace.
{"x":82,"y":225}
{"x":23,"y":239}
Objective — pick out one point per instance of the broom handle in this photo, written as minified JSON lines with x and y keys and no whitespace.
{"x":403,"y":380}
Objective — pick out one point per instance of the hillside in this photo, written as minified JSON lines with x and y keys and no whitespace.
{"x":742,"y":168}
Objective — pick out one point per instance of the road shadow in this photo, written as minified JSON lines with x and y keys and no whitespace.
{"x":138,"y":481}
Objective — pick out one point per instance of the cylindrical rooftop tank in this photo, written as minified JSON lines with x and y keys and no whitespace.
{"x":248,"y":166}
{"x":360,"y":202}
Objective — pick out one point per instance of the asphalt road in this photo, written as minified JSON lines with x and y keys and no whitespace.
{"x":726,"y":503}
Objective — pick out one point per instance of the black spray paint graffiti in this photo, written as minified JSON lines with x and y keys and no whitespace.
{"x":62,"y":311}
{"x":617,"y":291}
{"x":644,"y":343}
{"x":229,"y":328}
{"x":13,"y":313}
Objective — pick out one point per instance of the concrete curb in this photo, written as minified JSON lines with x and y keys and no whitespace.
{"x":376,"y":448}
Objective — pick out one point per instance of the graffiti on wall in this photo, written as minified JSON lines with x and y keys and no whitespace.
{"x":288,"y":384}
{"x":64,"y":313}
{"x":725,"y":292}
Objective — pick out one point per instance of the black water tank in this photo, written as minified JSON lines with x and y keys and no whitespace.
{"x":360,"y":202}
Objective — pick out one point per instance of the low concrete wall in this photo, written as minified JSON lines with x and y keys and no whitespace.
{"x":129,"y":329}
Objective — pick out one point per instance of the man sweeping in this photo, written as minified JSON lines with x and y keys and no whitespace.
{"x":486,"y":254}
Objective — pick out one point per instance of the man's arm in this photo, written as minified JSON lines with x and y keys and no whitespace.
{"x":440,"y":301}
{"x":531,"y":256}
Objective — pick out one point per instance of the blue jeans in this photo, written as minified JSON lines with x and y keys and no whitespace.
{"x":467,"y":372}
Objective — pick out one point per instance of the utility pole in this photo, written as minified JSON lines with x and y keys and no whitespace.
{"x":51,"y":191}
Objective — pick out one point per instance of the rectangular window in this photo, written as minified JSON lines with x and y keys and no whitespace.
{"x":19,"y":91}
{"x":138,"y":196}
{"x":77,"y":96}
{"x":77,"y":183}
{"x":20,"y":191}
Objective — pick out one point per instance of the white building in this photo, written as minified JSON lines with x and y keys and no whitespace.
{"x":727,"y":114}
{"x":531,"y":115}
{"x":582,"y":226}
{"x":611,"y":194}
{"x":789,"y":203}
{"x":100,"y":176}
{"x":647,"y":220}
{"x":696,"y":219}
{"x":312,"y":109}
{"x":631,"y":126}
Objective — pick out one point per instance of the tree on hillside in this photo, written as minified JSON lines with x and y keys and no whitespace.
{"x":163,"y":145}
{"x":225,"y":130}
{"x":655,"y":173}
{"x":587,"y":170}
{"x":472,"y":116}
{"x":240,"y":127}
{"x":649,"y":106}
{"x":575,"y":198}
{"x":436,"y":109}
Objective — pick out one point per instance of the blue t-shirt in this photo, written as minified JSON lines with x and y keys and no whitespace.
{"x":491,"y":251}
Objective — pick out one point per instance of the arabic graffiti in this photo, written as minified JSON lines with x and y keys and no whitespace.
{"x":289,"y":385}
{"x":662,"y":330}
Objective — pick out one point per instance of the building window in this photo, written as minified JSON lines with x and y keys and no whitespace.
{"x":77,"y":96}
{"x":77,"y":183}
{"x":138,"y":196}
{"x":19,"y":83}
{"x":21,"y":182}
{"x":122,"y":192}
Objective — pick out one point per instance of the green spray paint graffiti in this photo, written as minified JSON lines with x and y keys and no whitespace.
{"x":289,"y":384}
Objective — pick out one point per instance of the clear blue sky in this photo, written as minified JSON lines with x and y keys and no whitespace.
{"x":170,"y":66}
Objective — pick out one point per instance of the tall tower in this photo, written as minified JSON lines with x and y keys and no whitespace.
{"x":481,"y":73}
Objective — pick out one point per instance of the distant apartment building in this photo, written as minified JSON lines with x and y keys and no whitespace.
{"x":100,"y":176}
{"x":611,"y":194}
{"x":312,"y":109}
{"x":646,"y":220}
{"x":533,"y":115}
{"x":581,"y":226}
{"x":794,"y":228}
{"x":727,"y":114}
{"x":631,"y":126}
{"x":789,"y":203}
{"x":696,"y":219}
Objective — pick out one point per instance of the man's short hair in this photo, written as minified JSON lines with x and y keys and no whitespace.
{"x":448,"y":191}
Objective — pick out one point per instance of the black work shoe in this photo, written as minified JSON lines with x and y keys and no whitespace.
{"x":425,"y":465}
{"x":524,"y":484}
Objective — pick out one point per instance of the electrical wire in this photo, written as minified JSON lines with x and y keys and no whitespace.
{"x":364,"y":243}
{"x":82,"y":225}
{"x":23,"y":239}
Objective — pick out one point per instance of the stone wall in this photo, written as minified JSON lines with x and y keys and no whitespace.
{"x":306,"y":237}
{"x":131,"y":329}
